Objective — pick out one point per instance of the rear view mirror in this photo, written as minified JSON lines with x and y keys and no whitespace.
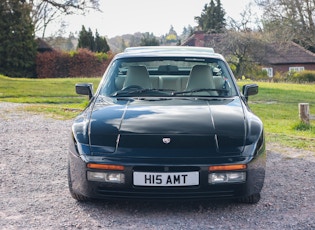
{"x":249,"y":90}
{"x":84,"y":89}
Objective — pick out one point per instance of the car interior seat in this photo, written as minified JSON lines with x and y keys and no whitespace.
{"x":201,"y":78}
{"x":139,"y":76}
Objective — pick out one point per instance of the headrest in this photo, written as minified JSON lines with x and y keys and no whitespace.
{"x":137,"y":75}
{"x":200,"y":77}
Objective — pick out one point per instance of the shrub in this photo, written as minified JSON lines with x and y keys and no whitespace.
{"x":52,"y":64}
{"x":302,"y":77}
{"x":83,"y":63}
{"x":254,"y":72}
{"x":46,"y":64}
{"x":101,"y":56}
{"x":279,"y":77}
{"x":80,"y":63}
{"x":258,"y":74}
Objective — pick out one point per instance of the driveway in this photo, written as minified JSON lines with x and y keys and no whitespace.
{"x":34,"y":191}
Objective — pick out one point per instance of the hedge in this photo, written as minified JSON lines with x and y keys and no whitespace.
{"x":305,"y":76}
{"x":81,"y":63}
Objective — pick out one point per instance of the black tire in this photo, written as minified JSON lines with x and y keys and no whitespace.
{"x":75,"y":195}
{"x":252,"y":199}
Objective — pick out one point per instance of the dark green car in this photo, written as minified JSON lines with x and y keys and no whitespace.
{"x":167,"y":123}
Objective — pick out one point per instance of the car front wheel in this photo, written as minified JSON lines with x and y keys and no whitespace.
{"x":75,"y":195}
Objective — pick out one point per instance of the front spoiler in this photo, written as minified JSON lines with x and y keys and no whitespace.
{"x":101,"y":190}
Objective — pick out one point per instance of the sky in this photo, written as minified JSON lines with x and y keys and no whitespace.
{"x":120,"y":17}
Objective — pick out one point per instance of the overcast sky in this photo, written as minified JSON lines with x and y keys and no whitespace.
{"x":129,"y":16}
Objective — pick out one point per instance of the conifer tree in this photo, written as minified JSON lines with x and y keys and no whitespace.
{"x":91,"y":44}
{"x":88,"y":41}
{"x":149,"y":39}
{"x":17,"y":40}
{"x":212,"y":18}
{"x":100,"y":43}
{"x":85,"y":39}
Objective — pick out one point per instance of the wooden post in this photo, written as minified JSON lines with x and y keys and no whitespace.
{"x":304,"y":113}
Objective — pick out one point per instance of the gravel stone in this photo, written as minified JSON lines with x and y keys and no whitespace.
{"x":34,"y":192}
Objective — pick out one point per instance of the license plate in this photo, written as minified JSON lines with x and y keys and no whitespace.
{"x":166,"y":179}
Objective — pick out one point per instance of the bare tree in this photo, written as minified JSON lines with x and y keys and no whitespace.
{"x":290,"y":20}
{"x":249,"y":21}
{"x":243,"y":44}
{"x":46,"y":11}
{"x":245,"y":49}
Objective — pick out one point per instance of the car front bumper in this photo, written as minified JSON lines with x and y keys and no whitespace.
{"x":255,"y":173}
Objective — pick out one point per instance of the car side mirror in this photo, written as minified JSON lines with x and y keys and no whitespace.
{"x":84,"y":89}
{"x":249,"y":90}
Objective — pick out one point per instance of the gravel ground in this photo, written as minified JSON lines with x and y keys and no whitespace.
{"x":34,"y":192}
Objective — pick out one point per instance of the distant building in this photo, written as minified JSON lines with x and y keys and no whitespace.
{"x":288,"y":57}
{"x":276,"y":57}
{"x":43,"y":46}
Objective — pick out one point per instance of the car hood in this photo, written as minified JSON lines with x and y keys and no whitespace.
{"x":169,"y":127}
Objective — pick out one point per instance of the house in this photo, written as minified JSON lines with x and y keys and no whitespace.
{"x":43,"y":46}
{"x":282,"y":58}
{"x":287,"y":57}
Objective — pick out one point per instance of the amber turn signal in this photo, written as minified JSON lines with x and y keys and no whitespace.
{"x":105,"y":166}
{"x":227,"y":167}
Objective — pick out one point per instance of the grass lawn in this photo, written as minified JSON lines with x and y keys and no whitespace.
{"x":276,"y":104}
{"x":55,"y":97}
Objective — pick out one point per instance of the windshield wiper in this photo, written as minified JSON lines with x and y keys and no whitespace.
{"x":140,"y":91}
{"x":201,"y":90}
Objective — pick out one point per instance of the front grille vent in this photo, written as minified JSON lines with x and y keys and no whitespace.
{"x":166,"y":168}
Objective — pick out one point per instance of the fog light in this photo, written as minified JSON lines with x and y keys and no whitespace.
{"x":110,"y":177}
{"x":115,"y":177}
{"x":226,"y":177}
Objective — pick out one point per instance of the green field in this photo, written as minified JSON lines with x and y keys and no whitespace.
{"x":55,"y":97}
{"x":276,"y":104}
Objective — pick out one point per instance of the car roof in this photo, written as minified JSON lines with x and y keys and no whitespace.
{"x":174,"y":51}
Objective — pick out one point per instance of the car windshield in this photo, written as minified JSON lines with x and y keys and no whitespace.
{"x":168,"y":77}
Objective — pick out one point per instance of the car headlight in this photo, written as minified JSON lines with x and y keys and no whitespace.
{"x":226,"y":177}
{"x":109,"y":177}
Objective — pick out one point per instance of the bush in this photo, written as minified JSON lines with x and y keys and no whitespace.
{"x":46,"y":65}
{"x":258,"y":74}
{"x":81,"y":63}
{"x":84,"y":63}
{"x":279,"y":77}
{"x":305,"y":76}
{"x":254,"y":72}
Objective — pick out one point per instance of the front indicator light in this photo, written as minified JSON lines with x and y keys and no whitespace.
{"x":226,"y":177}
{"x":227,"y":167}
{"x":105,"y":166}
{"x":109,"y":177}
